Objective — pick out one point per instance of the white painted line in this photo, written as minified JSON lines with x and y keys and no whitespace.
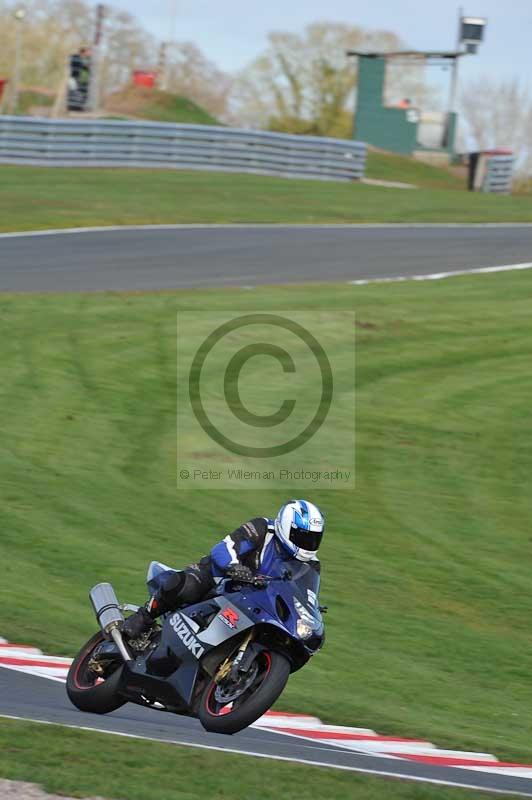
{"x":381,"y":773}
{"x":268,"y":227}
{"x":37,"y":660}
{"x":437,"y":276}
{"x":13,"y":651}
{"x":43,"y":672}
{"x":511,"y":772}
{"x":268,"y":721}
{"x":46,"y":676}
{"x":383,"y":748}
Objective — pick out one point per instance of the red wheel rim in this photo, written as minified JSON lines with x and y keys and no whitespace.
{"x":225,"y":710}
{"x":82,"y":668}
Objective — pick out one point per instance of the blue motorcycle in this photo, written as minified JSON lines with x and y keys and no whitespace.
{"x":224,"y":660}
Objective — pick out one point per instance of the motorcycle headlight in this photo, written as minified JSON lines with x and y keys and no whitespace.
{"x":304,"y":630}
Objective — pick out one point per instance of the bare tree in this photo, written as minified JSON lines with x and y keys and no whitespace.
{"x":126,"y":47}
{"x":498,"y":114}
{"x":193,"y":75}
{"x":53,"y":29}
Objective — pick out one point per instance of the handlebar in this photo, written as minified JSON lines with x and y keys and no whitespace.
{"x":260,"y":581}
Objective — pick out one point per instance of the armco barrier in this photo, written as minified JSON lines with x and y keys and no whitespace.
{"x":125,"y":143}
{"x":499,"y":174}
{"x":491,"y":171}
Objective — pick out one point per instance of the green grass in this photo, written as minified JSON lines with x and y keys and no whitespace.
{"x":81,"y":764}
{"x":426,"y":564}
{"x":391,"y":167}
{"x":154,"y":104}
{"x":170,"y":108}
{"x":32,"y":198}
{"x":30,"y":98}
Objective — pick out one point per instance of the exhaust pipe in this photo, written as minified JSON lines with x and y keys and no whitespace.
{"x":108,"y":613}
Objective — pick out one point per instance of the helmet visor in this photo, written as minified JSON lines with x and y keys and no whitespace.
{"x":306,"y":540}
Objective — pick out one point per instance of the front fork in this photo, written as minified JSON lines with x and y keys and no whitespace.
{"x":232,"y":667}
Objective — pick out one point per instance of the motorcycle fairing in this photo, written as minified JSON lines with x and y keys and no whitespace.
{"x":169,"y":671}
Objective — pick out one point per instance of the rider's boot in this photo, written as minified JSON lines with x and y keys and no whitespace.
{"x":142,"y":620}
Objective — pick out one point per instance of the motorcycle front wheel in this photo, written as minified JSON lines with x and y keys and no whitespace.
{"x":85,"y":689}
{"x":228,"y":706}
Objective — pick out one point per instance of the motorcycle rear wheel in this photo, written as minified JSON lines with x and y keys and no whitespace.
{"x":85,"y":690}
{"x":272,"y":674}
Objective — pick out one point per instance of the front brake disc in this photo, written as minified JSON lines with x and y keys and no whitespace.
{"x":226,"y":693}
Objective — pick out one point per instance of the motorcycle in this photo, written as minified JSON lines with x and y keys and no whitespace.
{"x":224,"y":660}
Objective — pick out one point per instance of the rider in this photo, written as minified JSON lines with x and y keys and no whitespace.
{"x":296,"y":533}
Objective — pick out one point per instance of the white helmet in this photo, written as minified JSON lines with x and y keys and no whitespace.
{"x":299,"y":526}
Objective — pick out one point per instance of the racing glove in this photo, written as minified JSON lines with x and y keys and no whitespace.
{"x":240,"y":573}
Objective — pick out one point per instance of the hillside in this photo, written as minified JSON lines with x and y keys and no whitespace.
{"x":425,"y":565}
{"x":154,"y":104}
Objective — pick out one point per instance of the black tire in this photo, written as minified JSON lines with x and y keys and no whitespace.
{"x":82,"y":687}
{"x":274,"y":670}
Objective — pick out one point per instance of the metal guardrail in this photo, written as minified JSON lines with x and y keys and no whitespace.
{"x":499,"y":174}
{"x":125,"y":143}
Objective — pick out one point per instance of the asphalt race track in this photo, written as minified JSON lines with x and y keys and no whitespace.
{"x":35,"y":698}
{"x":169,"y":257}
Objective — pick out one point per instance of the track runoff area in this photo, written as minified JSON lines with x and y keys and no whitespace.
{"x":32,"y":684}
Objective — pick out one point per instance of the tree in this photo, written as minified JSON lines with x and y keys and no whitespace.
{"x":126,"y":47}
{"x":53,"y":29}
{"x":305,"y":83}
{"x":191,"y":74}
{"x":498,"y":114}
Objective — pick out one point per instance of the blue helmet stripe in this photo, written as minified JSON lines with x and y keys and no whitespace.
{"x":304,"y":513}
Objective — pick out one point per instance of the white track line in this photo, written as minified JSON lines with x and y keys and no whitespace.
{"x":36,"y":673}
{"x":267,"y":226}
{"x":381,"y":773}
{"x":437,"y":276}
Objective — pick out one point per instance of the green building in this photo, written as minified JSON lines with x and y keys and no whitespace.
{"x":400,"y":126}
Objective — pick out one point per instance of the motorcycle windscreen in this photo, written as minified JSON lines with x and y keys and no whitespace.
{"x":307,"y":582}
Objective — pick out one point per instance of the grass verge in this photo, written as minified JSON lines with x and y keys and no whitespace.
{"x":34,"y":198}
{"x":82,"y":764}
{"x":391,"y":167}
{"x":426,"y":564}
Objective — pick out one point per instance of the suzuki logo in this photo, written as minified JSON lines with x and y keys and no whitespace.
{"x":230,"y":617}
{"x":183,"y":632}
